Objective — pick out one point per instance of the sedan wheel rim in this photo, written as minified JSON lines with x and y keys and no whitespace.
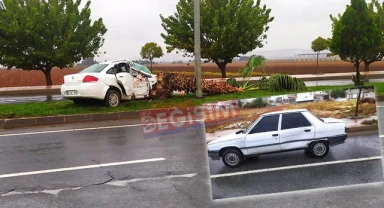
{"x":113,"y":99}
{"x":319,"y":149}
{"x":232,"y":158}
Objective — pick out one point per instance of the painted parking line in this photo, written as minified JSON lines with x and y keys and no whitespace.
{"x":295,"y":167}
{"x":94,"y":128}
{"x":80,"y":167}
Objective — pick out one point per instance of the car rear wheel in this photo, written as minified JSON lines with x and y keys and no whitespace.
{"x":112,"y":99}
{"x":232,"y":158}
{"x":319,"y":149}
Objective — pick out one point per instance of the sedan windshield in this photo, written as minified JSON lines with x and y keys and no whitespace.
{"x":96,"y":68}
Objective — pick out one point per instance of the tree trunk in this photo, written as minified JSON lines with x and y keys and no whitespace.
{"x":357,"y":67}
{"x":222,"y":66}
{"x":358,"y":83}
{"x":317,"y":63}
{"x":357,"y":102}
{"x":151,"y":66}
{"x":47,"y":73}
{"x":366,"y":66}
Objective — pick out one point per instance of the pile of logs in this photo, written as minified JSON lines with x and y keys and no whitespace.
{"x":169,"y":82}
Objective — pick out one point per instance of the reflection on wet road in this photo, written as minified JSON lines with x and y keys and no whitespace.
{"x":27,"y":99}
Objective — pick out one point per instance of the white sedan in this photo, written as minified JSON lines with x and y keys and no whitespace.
{"x":279,"y":131}
{"x":110,"y":81}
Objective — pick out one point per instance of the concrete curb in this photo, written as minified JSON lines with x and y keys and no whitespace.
{"x":66,"y":119}
{"x":42,"y":90}
{"x":358,"y":129}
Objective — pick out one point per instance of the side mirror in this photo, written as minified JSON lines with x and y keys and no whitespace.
{"x":240,"y":132}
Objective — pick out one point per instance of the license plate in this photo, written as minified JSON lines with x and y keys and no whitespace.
{"x":71,"y":92}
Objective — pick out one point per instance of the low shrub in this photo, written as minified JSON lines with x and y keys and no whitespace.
{"x":284,"y":82}
{"x":370,"y":122}
{"x":367,"y":100}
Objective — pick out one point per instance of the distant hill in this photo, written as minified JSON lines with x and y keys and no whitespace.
{"x":278,"y":54}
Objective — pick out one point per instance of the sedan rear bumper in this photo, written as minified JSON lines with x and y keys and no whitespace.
{"x":82,"y":92}
{"x":336,"y":140}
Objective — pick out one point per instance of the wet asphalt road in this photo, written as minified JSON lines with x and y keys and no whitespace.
{"x":180,"y":180}
{"x":181,"y":154}
{"x":343,"y":173}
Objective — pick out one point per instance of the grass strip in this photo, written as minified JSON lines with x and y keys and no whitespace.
{"x":66,"y":107}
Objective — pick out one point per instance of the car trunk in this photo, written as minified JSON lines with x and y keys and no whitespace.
{"x":75,"y":79}
{"x":332,"y":120}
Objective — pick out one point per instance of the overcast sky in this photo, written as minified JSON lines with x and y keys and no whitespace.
{"x":133,"y":23}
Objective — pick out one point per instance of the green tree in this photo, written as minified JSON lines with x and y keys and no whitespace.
{"x":88,"y":62}
{"x":374,"y":53}
{"x":40,"y":34}
{"x":318,"y":45}
{"x":228,"y":28}
{"x":150,"y":51}
{"x":354,"y":36}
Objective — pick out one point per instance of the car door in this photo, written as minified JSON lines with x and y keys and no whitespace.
{"x":125,"y":78}
{"x":296,"y":131}
{"x":140,"y":84}
{"x":264,"y":136}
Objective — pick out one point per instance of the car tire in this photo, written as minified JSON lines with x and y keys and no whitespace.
{"x":232,"y":158}
{"x":112,"y":98}
{"x":319,"y":149}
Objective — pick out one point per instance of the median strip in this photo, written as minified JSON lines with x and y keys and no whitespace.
{"x":295,"y":167}
{"x":80,"y":167}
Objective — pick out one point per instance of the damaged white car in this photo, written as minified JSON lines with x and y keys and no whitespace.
{"x":279,"y":131}
{"x":110,"y":81}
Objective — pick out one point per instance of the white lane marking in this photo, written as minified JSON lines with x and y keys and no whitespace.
{"x":326,"y":191}
{"x":295,"y":167}
{"x":125,"y":182}
{"x":80,"y":167}
{"x":51,"y":192}
{"x":93,"y":128}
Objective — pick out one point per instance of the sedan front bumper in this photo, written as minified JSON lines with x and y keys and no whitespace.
{"x":214,"y":155}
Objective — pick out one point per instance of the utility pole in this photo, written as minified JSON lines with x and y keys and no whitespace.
{"x":199,"y":92}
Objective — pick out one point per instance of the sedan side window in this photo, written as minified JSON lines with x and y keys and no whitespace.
{"x":112,"y":70}
{"x":266,"y":124}
{"x":294,"y":120}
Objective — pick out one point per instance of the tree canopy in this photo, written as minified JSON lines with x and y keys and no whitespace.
{"x":228,"y":28}
{"x":372,"y":54}
{"x":318,"y":45}
{"x":355,"y":36}
{"x":40,"y":34}
{"x":150,"y":51}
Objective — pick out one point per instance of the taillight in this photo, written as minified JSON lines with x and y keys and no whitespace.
{"x":89,"y":78}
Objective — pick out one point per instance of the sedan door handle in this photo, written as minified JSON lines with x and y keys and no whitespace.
{"x":275,"y":135}
{"x":307,"y":130}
